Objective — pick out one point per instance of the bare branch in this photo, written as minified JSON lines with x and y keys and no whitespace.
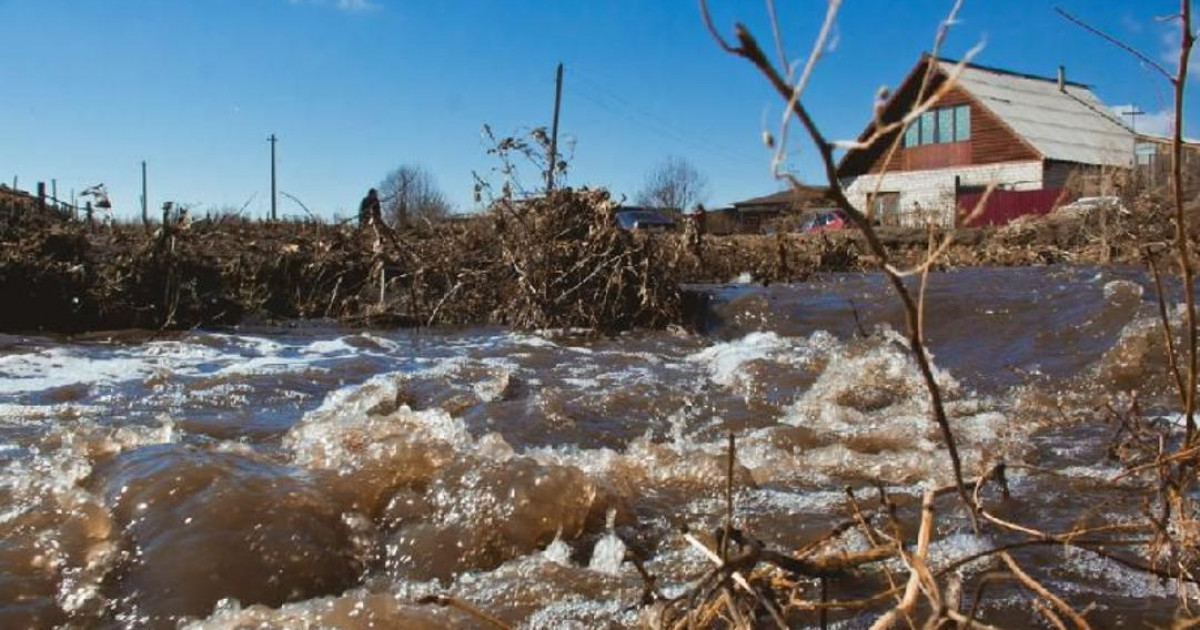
{"x":750,"y":50}
{"x":1187,"y":39}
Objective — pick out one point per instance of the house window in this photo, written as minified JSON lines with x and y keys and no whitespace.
{"x":945,"y":121}
{"x":928,"y":126}
{"x":940,"y":126}
{"x":885,"y":208}
{"x":962,"y":123}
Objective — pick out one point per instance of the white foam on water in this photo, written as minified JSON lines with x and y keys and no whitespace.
{"x":203,"y":354}
{"x":340,"y":435}
{"x":1118,"y":578}
{"x":1124,"y":289}
{"x":58,"y":367}
{"x":725,"y":361}
{"x":558,"y":552}
{"x":772,"y":501}
{"x":331,"y":347}
{"x":539,"y":340}
{"x":502,"y":374}
{"x":18,"y":415}
{"x":953,"y":547}
{"x":1105,"y":472}
{"x":608,"y":555}
{"x":579,"y":613}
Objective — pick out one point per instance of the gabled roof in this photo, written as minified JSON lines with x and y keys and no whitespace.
{"x":1069,"y":125}
{"x":784,"y":197}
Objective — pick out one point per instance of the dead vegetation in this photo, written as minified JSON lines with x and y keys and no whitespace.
{"x":554,"y":262}
{"x":547,"y":262}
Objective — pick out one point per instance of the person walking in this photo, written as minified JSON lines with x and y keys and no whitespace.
{"x":370,"y":210}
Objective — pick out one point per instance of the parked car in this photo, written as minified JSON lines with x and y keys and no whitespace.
{"x":646,"y":220}
{"x":825,"y":220}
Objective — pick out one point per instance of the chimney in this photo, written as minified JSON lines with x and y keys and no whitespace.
{"x":1062,"y":78}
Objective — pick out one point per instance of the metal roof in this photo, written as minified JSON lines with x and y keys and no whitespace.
{"x":1070,"y":124}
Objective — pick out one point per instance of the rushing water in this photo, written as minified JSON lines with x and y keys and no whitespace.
{"x":312,"y":477}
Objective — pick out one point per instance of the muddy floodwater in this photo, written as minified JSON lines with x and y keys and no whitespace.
{"x":314,"y":477}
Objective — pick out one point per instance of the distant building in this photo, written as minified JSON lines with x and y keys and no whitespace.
{"x":1153,"y":156}
{"x":1030,"y":135}
{"x":752,"y":215}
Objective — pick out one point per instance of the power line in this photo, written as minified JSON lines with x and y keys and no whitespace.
{"x":596,"y":93}
{"x":659,"y":130}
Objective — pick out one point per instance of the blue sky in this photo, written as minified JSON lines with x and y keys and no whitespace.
{"x":355,"y":88}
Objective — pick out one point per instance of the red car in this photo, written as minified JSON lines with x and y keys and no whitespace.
{"x":825,"y":220}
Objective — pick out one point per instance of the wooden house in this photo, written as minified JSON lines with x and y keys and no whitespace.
{"x":1029,"y":135}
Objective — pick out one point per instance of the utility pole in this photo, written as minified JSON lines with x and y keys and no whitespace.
{"x":273,"y":140}
{"x":550,"y":167}
{"x":1133,"y":112}
{"x":145,"y":199}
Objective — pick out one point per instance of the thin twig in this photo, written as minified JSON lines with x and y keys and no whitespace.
{"x":453,"y":602}
{"x":1035,"y":586}
{"x":1187,"y":39}
{"x":1172,"y":355}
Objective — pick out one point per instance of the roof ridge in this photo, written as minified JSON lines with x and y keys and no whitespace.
{"x":1012,"y":73}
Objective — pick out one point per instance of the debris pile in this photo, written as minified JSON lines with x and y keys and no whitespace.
{"x":573,"y":266}
{"x":554,"y":262}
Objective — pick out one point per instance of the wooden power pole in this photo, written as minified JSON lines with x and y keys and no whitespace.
{"x":274,"y":199}
{"x":145,"y":199}
{"x":550,"y":167}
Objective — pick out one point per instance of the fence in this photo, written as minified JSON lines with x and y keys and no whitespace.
{"x":1003,"y":206}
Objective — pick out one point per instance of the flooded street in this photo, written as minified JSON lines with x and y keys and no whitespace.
{"x":313,"y":477}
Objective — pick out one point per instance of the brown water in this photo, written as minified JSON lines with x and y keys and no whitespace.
{"x":317,"y":478}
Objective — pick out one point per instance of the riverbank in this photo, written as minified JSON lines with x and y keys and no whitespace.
{"x":558,"y":262}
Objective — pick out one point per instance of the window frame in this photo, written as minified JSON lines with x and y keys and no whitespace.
{"x":928,"y":119}
{"x":961,"y":114}
{"x":945,"y":132}
{"x":939,"y":125}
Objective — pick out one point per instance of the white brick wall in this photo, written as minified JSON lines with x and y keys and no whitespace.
{"x":929,"y":195}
